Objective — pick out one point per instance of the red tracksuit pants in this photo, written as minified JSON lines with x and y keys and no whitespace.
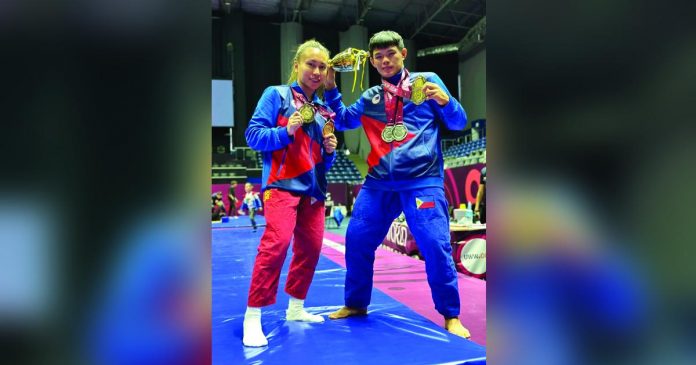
{"x":287,"y":214}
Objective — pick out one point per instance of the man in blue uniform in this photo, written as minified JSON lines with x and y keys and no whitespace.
{"x":402,"y":118}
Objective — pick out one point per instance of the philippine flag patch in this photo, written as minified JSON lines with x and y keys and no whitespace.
{"x":425,"y":202}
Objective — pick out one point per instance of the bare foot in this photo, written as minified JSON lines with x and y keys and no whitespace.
{"x":347,"y":312}
{"x":454,"y":326}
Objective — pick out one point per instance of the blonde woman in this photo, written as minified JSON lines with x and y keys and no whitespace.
{"x":288,"y":127}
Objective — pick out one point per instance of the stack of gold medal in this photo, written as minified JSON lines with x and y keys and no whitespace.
{"x":308,"y":111}
{"x":398,"y":132}
{"x":393,"y":133}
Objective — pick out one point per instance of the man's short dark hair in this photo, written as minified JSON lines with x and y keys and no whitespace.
{"x":385,"y":39}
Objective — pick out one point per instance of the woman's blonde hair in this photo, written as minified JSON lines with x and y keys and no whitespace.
{"x":312,"y":43}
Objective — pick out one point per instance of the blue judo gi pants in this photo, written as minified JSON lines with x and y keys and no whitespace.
{"x":427,"y":217}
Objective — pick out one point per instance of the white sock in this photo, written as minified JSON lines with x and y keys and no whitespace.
{"x":296,"y":312}
{"x":253,"y":334}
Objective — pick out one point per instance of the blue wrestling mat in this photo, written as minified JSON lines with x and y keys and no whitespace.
{"x":390,"y":334}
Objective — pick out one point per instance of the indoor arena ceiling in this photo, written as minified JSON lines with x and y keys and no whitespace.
{"x":429,"y":23}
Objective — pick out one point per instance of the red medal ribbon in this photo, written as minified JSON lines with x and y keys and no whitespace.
{"x":394,"y":93}
{"x":299,"y":100}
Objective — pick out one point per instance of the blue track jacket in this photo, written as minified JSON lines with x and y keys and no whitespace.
{"x":414,"y":162}
{"x":293,"y":163}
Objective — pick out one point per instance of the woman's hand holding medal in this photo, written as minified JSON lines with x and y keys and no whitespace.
{"x":330,"y":143}
{"x":294,"y":123}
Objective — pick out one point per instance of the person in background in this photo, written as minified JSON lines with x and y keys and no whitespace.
{"x":232,"y":198}
{"x":217,"y":206}
{"x":251,"y":203}
{"x":480,"y":208}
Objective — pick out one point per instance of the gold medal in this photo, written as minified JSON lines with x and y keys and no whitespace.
{"x":417,"y":94}
{"x":399,"y":132}
{"x":388,"y":134}
{"x":328,"y":128}
{"x":307,"y":113}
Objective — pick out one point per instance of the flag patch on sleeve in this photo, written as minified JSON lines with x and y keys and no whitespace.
{"x":425,"y":202}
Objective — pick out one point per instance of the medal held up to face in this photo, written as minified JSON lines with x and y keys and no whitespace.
{"x":307,"y":113}
{"x":417,"y":94}
{"x":350,"y":60}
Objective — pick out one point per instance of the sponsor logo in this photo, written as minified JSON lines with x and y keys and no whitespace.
{"x":473,"y":256}
{"x":398,"y":234}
